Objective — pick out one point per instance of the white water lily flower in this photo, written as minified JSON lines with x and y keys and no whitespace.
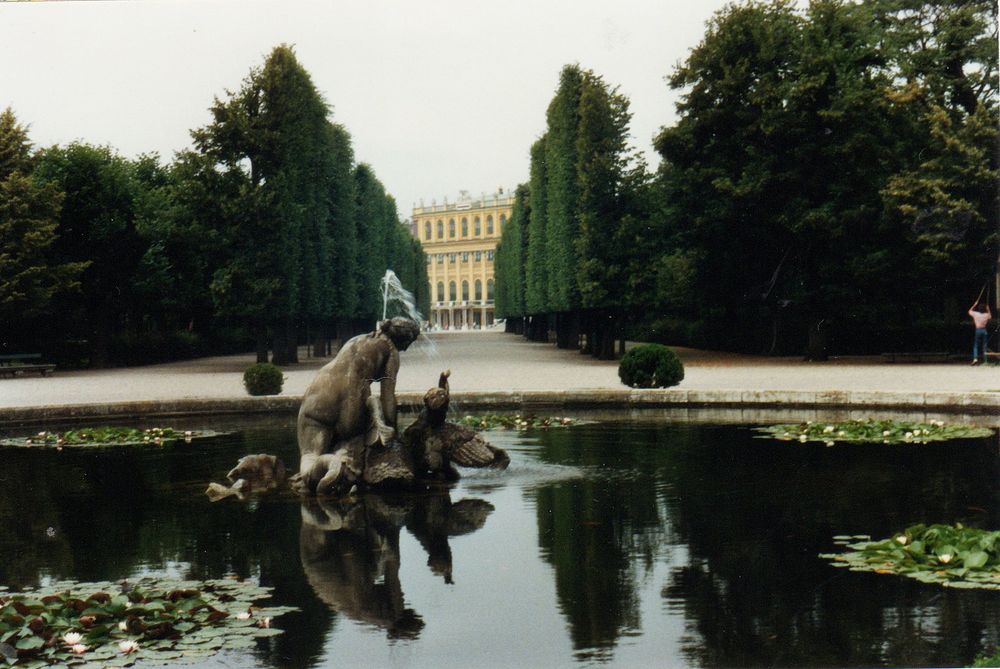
{"x":123,"y":626}
{"x":128,"y":646}
{"x":841,"y":433}
{"x":908,"y":435}
{"x":886,"y":433}
{"x":264,"y":622}
{"x":803,"y":438}
{"x":829,"y":443}
{"x":901,"y":539}
{"x":245,"y":615}
{"x":916,"y":433}
{"x":945,"y":558}
{"x":72,"y":638}
{"x":78,"y":649}
{"x":828,"y":429}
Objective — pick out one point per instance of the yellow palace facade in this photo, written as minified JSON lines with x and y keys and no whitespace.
{"x":460,"y":240}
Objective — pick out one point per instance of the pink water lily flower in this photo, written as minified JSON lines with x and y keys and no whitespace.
{"x":78,"y":649}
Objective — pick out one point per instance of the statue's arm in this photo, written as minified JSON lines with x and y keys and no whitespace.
{"x":387,"y":393}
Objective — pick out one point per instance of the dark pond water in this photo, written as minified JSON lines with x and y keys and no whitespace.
{"x":610,"y":544}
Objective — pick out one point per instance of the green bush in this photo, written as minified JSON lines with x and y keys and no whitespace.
{"x":650,"y":366}
{"x":263,"y":379}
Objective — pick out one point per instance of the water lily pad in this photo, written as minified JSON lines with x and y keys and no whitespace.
{"x":163,"y":620}
{"x":872,"y":431}
{"x":955,"y":556}
{"x":107,"y":436}
{"x":514,"y":421}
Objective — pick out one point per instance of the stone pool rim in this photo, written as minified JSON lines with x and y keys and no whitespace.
{"x":540,"y":401}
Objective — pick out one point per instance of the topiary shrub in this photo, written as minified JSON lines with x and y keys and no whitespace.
{"x":263,"y":379}
{"x":650,"y":366}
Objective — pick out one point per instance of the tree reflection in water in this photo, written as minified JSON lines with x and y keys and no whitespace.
{"x":671,"y":545}
{"x":750,"y":517}
{"x":350,"y":551}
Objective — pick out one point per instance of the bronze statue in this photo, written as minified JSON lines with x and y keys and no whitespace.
{"x":434,"y":444}
{"x":348,"y":439}
{"x":339,"y":420}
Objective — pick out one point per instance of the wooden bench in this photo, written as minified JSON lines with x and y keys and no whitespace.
{"x":18,"y":364}
{"x":917,"y":356}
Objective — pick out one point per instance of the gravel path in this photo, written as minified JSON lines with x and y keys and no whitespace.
{"x":493,"y":361}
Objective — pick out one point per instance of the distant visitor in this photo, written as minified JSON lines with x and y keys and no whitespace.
{"x":980,"y":312}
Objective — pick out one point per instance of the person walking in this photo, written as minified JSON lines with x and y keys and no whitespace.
{"x":981,"y":315}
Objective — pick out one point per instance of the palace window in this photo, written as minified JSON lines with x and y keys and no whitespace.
{"x":440,"y":229}
{"x":451,"y":291}
{"x":489,"y":225}
{"x":489,"y":255}
{"x":428,"y":258}
{"x":479,"y":289}
{"x":440,"y":258}
{"x":427,"y":230}
{"x":479,"y":256}
{"x":451,"y":258}
{"x":465,"y":290}
{"x":503,"y":220}
{"x":440,"y":291}
{"x":465,"y":227}
{"x":489,"y":289}
{"x":477,"y":226}
{"x":451,"y":228}
{"x":465,"y":256}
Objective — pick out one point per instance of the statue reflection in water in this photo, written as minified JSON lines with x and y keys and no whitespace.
{"x":350,"y":551}
{"x":362,"y":481}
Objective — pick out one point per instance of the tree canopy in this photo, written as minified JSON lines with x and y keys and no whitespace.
{"x":267,"y":227}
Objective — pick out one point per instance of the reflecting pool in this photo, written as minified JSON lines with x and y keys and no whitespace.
{"x":614,"y":543}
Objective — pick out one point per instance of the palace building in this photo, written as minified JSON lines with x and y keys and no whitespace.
{"x":460,"y":240}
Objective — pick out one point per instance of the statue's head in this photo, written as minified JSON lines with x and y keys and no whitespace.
{"x":401,"y":331}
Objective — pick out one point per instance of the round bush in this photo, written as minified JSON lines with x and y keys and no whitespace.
{"x":263,"y":379}
{"x":650,"y":366}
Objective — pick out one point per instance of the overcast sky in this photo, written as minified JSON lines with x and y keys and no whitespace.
{"x":439,"y":96}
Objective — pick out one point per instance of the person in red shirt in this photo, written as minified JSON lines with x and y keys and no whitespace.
{"x":981,"y":315}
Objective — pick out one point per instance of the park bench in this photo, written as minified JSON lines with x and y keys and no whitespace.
{"x":18,"y":364}
{"x":916,"y":356}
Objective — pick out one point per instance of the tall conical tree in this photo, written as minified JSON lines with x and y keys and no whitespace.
{"x":608,"y":177}
{"x":536,"y":302}
{"x":273,"y":129}
{"x":372,"y":211}
{"x":342,"y":222}
{"x":510,"y":260}
{"x":561,"y":172}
